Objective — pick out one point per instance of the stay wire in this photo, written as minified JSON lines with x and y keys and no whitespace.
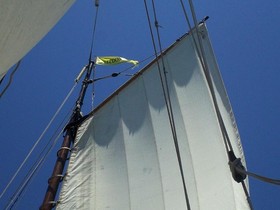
{"x":201,"y":56}
{"x":167,"y":96}
{"x":259,"y":177}
{"x":185,"y":14}
{"x":94,"y":29}
{"x":38,"y":164}
{"x":211,"y":87}
{"x":202,"y":59}
{"x":92,"y":47}
{"x":157,"y":61}
{"x":38,"y":141}
{"x":247,"y":195}
{"x":164,"y":75}
{"x":21,"y":189}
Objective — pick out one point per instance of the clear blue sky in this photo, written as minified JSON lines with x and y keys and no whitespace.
{"x":245,"y":38}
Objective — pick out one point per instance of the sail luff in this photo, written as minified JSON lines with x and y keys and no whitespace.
{"x":53,"y":182}
{"x":71,"y":130}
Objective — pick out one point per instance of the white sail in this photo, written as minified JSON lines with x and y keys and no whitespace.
{"x":124,"y":155}
{"x":23,"y":24}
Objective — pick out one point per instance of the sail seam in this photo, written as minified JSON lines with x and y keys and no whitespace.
{"x":155,"y":141}
{"x":125,"y":151}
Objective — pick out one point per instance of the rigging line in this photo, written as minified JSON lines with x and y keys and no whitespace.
{"x":259,"y":177}
{"x":94,"y":29}
{"x":204,"y":66}
{"x":22,"y":188}
{"x":201,"y":55}
{"x":93,"y":89}
{"x":247,"y":195}
{"x":26,"y":181}
{"x":92,"y":45}
{"x":38,"y":164}
{"x":164,"y":74}
{"x":210,"y":82}
{"x":158,"y":66}
{"x":211,"y":86}
{"x":10,"y":79}
{"x":167,"y":100}
{"x":38,"y":140}
{"x":203,"y":62}
{"x":185,"y":14}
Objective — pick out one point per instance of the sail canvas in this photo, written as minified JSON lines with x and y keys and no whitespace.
{"x":124,"y":155}
{"x":24,"y":24}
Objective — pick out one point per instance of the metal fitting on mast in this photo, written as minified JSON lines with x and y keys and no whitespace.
{"x":71,"y":129}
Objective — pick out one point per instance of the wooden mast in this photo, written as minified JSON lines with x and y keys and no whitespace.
{"x":71,"y":129}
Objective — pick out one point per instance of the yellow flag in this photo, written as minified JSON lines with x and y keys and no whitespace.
{"x":113,"y":60}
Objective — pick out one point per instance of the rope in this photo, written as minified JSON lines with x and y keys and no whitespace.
{"x":259,"y":177}
{"x":247,"y":195}
{"x":91,"y":47}
{"x":38,"y":140}
{"x":204,"y":64}
{"x":19,"y":192}
{"x":201,"y":56}
{"x":38,"y":164}
{"x":165,"y":87}
{"x":10,"y":79}
{"x":185,"y":14}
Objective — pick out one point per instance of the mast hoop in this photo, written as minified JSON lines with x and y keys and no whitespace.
{"x":52,"y":203}
{"x":61,"y":176}
{"x":63,"y":148}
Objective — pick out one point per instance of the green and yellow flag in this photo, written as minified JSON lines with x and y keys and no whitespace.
{"x":113,"y":60}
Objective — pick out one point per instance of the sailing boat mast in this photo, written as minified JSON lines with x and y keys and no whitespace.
{"x":62,"y":154}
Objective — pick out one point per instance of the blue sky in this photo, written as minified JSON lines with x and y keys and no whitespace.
{"x":245,"y":39}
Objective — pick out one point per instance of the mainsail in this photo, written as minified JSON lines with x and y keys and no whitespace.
{"x":24,"y":24}
{"x":124,"y":155}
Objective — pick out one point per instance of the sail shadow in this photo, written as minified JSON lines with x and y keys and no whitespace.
{"x":180,"y":66}
{"x":133,"y":105}
{"x":178,"y":69}
{"x":106,"y":123}
{"x":153,"y":88}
